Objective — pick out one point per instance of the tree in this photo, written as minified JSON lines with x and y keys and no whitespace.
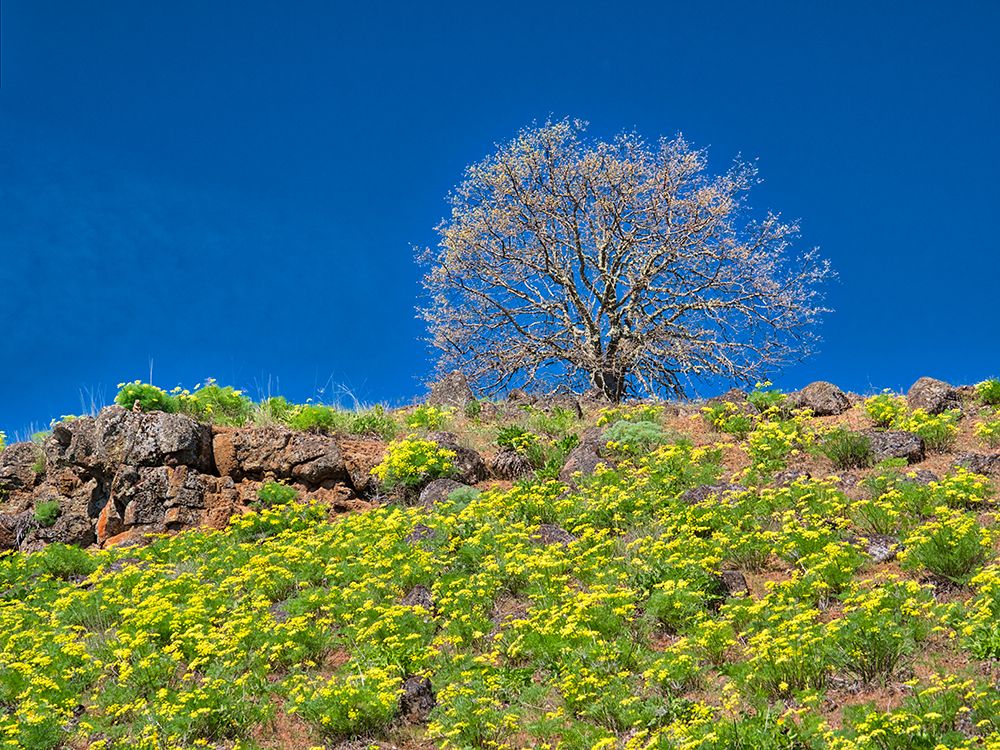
{"x":617,"y":265}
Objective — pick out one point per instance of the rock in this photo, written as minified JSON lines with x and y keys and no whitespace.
{"x":361,"y":455}
{"x":921,"y":476}
{"x":98,"y":446}
{"x":14,"y":527}
{"x":417,"y":699}
{"x":734,"y":583}
{"x":881,"y":548}
{"x":519,"y":397}
{"x":468,"y":465}
{"x":418,"y":596}
{"x":109,"y":523}
{"x":733,"y":396}
{"x":551,"y":534}
{"x":933,"y":396}
{"x":17,"y":467}
{"x":583,"y":460}
{"x":438,"y":490}
{"x":509,"y":464}
{"x":277,"y":453}
{"x":451,"y":390}
{"x":821,"y":398}
{"x":419,"y":533}
{"x":987,"y":464}
{"x":894,"y":444}
{"x":704,"y":492}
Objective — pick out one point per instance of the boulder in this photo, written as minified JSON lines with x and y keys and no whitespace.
{"x":733,"y":583}
{"x":933,"y":396}
{"x":584,"y":460}
{"x":734,"y":396}
{"x":361,"y":455}
{"x":418,"y":596}
{"x":987,"y":464}
{"x":549,"y":533}
{"x":438,"y":490}
{"x":451,"y":390}
{"x":469,"y":466}
{"x":821,"y":398}
{"x":894,"y":444}
{"x":416,"y":700}
{"x":18,"y":464}
{"x":98,"y":446}
{"x":509,"y":464}
{"x":277,"y":453}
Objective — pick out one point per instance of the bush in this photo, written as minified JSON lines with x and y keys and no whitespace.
{"x":640,"y":413}
{"x":951,"y":546}
{"x":766,"y":398}
{"x":272,"y":494}
{"x":989,"y":392}
{"x":989,"y":431}
{"x":47,"y":512}
{"x":728,"y":417}
{"x":150,"y":397}
{"x":635,"y":438}
{"x":214,"y":403}
{"x":428,"y":417}
{"x":847,"y":449}
{"x":373,"y":421}
{"x":937,"y":430}
{"x":412,"y":462}
{"x":886,"y":409}
{"x":316,"y":417}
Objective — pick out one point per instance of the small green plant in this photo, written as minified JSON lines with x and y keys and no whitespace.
{"x":214,"y":403}
{"x":429,"y":417}
{"x":272,"y":494}
{"x":46,"y":513}
{"x":316,"y":417}
{"x":885,"y":409}
{"x":374,"y":421}
{"x":150,"y":397}
{"x":634,"y":438}
{"x":951,"y":546}
{"x":556,"y":422}
{"x":766,"y":398}
{"x":473,"y":409}
{"x":728,"y":417}
{"x":640,"y":413}
{"x":989,"y":431}
{"x":989,"y":392}
{"x":3,"y":440}
{"x":847,"y":449}
{"x":272,"y":410}
{"x":412,"y":462}
{"x":937,"y":430}
{"x":38,"y":467}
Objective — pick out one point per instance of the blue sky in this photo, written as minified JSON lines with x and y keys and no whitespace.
{"x":233,"y":189}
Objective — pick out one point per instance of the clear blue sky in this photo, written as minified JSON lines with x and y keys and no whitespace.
{"x":232,"y":189}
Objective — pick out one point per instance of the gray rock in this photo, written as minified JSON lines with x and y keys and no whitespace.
{"x":417,"y":699}
{"x":273,"y":453}
{"x":438,"y":490}
{"x":551,"y":534}
{"x":451,"y":390}
{"x":16,"y":467}
{"x":418,"y":596}
{"x":734,"y":583}
{"x":469,"y":466}
{"x":894,"y":444}
{"x":821,"y":398}
{"x":933,"y":396}
{"x":987,"y":464}
{"x":509,"y":464}
{"x":584,"y":459}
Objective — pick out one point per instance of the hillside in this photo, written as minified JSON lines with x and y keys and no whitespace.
{"x":805,"y":570}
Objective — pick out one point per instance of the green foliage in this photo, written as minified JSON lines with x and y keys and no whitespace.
{"x":891,"y":412}
{"x":635,"y":438}
{"x":637,"y":413}
{"x":885,"y":409}
{"x":988,"y":392}
{"x":412,"y":462}
{"x":271,"y":494}
{"x":47,"y":512}
{"x":150,"y":397}
{"x":847,"y":449}
{"x":473,"y":409}
{"x":951,"y":546}
{"x":725,"y":416}
{"x":316,"y":417}
{"x":765,"y":398}
{"x":214,"y":403}
{"x":373,"y":421}
{"x":557,"y":422}
{"x":428,"y":417}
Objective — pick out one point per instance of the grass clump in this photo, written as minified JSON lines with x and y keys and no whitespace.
{"x":846,"y":449}
{"x":988,"y":392}
{"x":149,"y":397}
{"x":273,"y":494}
{"x":46,"y":513}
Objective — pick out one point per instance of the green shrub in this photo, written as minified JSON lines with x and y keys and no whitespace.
{"x":473,"y":409}
{"x":989,"y":392}
{"x":214,"y":403}
{"x":428,"y":417}
{"x":937,"y":430}
{"x":766,"y":398}
{"x":951,"y":546}
{"x":374,"y":421}
{"x":47,"y":512}
{"x":847,"y":449}
{"x":886,"y":409}
{"x":635,"y":438}
{"x":639,"y":413}
{"x":728,"y":417}
{"x":150,"y":397}
{"x":273,"y":410}
{"x":989,"y":431}
{"x":558,"y":421}
{"x":272,"y":494}
{"x":412,"y":462}
{"x":316,"y":417}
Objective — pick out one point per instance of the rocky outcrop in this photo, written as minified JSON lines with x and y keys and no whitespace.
{"x":438,"y":491}
{"x":894,"y":444}
{"x":933,"y":396}
{"x":509,"y":464}
{"x":278,"y":453}
{"x":987,"y":464}
{"x":451,"y":390}
{"x":821,"y":398}
{"x":585,"y":457}
{"x":469,"y":466}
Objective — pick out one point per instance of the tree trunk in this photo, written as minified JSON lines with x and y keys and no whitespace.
{"x":610,"y":383}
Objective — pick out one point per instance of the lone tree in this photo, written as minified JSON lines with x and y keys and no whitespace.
{"x":619,"y":265}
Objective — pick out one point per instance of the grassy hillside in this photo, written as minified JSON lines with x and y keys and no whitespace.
{"x":610,"y":612}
